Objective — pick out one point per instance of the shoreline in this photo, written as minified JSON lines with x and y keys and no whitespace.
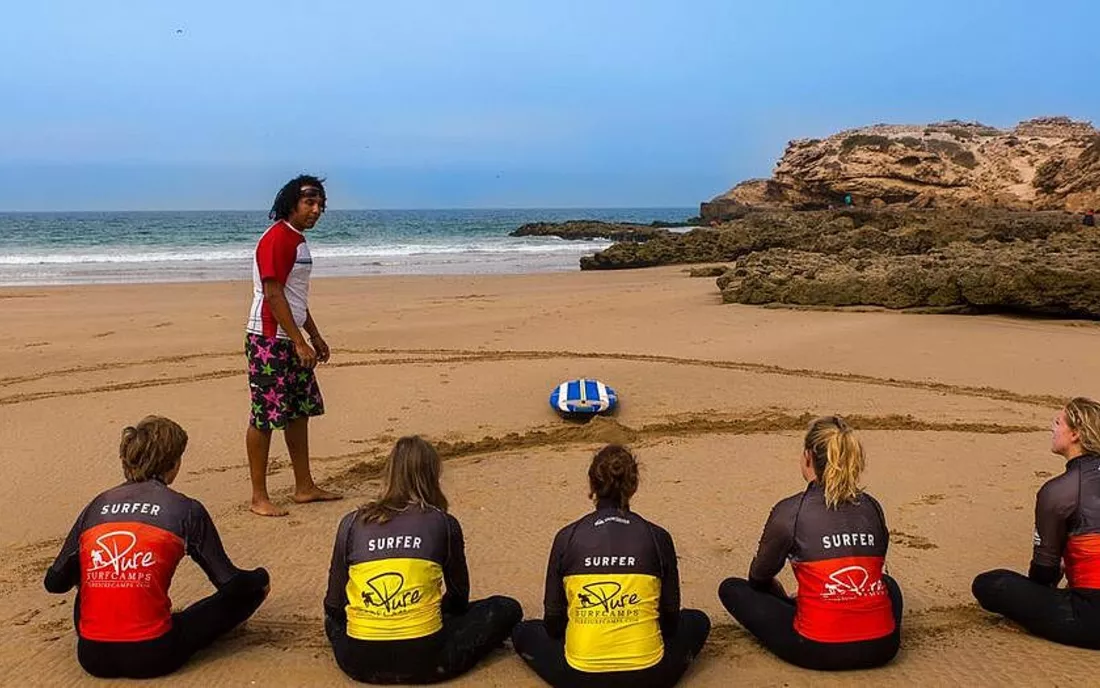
{"x":564,"y":259}
{"x":205,"y":245}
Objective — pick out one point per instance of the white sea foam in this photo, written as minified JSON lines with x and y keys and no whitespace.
{"x":126,"y":254}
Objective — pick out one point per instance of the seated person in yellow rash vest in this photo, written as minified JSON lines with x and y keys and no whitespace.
{"x":385,"y":611}
{"x":612,"y":601}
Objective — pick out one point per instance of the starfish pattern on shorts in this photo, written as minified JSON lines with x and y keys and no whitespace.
{"x":264,"y":352}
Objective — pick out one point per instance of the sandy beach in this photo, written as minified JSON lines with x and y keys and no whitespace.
{"x":954,"y":413}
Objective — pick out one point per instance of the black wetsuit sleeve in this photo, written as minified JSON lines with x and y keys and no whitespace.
{"x":775,"y":544}
{"x":882,"y":519}
{"x":204,"y":545}
{"x":1053,"y":505}
{"x":336,"y":596}
{"x":555,"y":606}
{"x":455,"y":572}
{"x":64,"y":573}
{"x":669,"y":608}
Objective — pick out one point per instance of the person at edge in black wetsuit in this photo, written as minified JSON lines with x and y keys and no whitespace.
{"x":1067,"y":529}
{"x":386,"y":614}
{"x":122,"y":553}
{"x":612,"y":598}
{"x":847,"y":613}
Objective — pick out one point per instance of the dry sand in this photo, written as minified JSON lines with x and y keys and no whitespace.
{"x":954,"y":410}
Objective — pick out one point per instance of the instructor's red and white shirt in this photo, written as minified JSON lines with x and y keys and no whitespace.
{"x":282,"y":254}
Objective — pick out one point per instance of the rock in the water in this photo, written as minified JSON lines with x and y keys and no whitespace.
{"x":891,"y":231}
{"x":590,"y":229}
{"x":708,"y":271}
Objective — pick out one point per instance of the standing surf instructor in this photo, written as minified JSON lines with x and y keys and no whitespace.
{"x":281,"y":379}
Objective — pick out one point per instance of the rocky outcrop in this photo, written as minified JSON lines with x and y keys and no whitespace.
{"x":888,"y":231}
{"x":975,"y":260}
{"x":1041,"y":164}
{"x":590,"y":229}
{"x":1054,"y":276}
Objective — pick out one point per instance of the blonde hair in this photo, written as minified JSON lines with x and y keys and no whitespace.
{"x":411,"y":476}
{"x":1083,"y":417}
{"x":837,"y":457}
{"x":151,"y":448}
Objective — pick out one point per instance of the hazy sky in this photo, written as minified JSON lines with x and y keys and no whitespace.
{"x":171,"y":105}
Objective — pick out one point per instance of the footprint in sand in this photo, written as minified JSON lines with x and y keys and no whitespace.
{"x":912,"y":541}
{"x":930,"y":499}
{"x":24,"y":618}
{"x":32,"y":344}
{"x":108,"y":333}
{"x":1043,"y":474}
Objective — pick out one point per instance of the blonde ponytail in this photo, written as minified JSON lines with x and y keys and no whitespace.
{"x":838,"y":459}
{"x":1083,"y":417}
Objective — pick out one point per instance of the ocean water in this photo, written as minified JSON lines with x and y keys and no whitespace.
{"x":114,"y":247}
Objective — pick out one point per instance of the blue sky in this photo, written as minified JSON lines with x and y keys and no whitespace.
{"x":193,"y":105}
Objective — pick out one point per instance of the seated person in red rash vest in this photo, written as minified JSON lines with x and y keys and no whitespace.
{"x":612,"y":599}
{"x":1067,"y":529}
{"x":386,"y":613}
{"x":847,"y":614}
{"x":122,"y":553}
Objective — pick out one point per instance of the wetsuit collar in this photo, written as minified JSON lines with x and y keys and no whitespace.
{"x":154,"y":479}
{"x":1086,"y":455}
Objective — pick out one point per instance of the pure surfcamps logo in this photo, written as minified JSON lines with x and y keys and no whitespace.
{"x":116,"y":561}
{"x":852,"y":582}
{"x":385,"y":593}
{"x":604,"y":602}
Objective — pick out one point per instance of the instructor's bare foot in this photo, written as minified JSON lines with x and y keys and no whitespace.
{"x":264,"y":507}
{"x":316,"y":494}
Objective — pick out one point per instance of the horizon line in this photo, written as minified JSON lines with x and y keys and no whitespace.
{"x":393,"y":209}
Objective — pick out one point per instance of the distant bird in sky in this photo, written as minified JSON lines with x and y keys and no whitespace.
{"x":179,"y":32}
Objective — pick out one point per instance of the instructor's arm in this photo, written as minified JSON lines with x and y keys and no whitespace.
{"x":280,"y":308}
{"x":316,"y":339}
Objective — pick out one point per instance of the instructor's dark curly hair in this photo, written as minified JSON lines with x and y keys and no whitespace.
{"x":613,"y":475}
{"x":287,"y":198}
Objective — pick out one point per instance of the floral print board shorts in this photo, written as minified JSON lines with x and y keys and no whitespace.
{"x":282,"y":388}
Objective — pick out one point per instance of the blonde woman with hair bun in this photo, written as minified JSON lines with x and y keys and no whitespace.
{"x":847,"y":614}
{"x":122,"y":554}
{"x":612,"y":597}
{"x":1066,"y":541}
